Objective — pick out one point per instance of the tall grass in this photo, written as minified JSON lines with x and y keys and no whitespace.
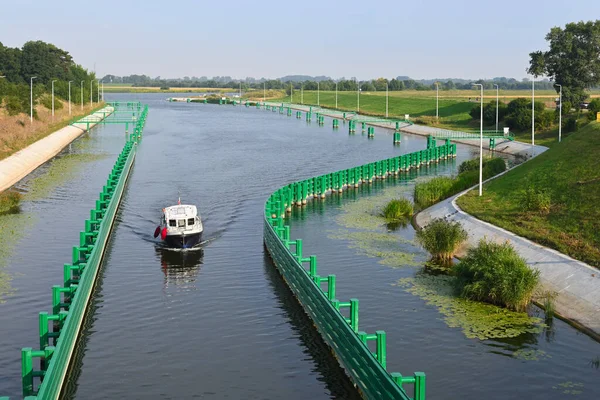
{"x":9,"y":202}
{"x":442,"y":238}
{"x":398,"y":210}
{"x":496,"y":274}
{"x":439,"y":188}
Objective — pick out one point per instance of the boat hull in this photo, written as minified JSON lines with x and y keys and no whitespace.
{"x":183,"y":241}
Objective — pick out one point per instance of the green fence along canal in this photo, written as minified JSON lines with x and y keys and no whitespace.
{"x":59,"y":329}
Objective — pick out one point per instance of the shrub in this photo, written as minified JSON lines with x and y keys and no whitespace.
{"x":442,"y":238}
{"x":496,"y":274}
{"x":593,"y":108}
{"x":493,"y":166}
{"x":469,"y":165}
{"x":432,"y":191}
{"x":398,"y":210}
{"x":536,"y":200}
{"x":571,"y":125}
{"x":9,"y":202}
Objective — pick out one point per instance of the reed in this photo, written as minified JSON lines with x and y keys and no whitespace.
{"x":496,"y":274}
{"x":442,"y":238}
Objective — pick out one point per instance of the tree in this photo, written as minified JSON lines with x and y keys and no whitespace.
{"x":380,"y":84}
{"x":572,"y":60}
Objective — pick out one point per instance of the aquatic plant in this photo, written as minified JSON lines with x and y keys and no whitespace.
{"x":496,"y":274}
{"x":442,"y":238}
{"x":398,"y":210}
{"x":530,"y":354}
{"x":476,"y":320}
{"x":548,"y":303}
{"x":432,"y":191}
{"x":9,"y":202}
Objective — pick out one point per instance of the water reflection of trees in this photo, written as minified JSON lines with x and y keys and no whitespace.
{"x":180,"y":267}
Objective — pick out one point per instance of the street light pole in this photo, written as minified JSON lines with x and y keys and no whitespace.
{"x":336,"y":94}
{"x":437,"y":100}
{"x":318,"y":99}
{"x":102,"y":90}
{"x":31,"y":99}
{"x":98,"y":91}
{"x":291,"y":92}
{"x":53,"y":98}
{"x":480,"y":140}
{"x":92,"y":92}
{"x":532,"y":116}
{"x":302,"y":94}
{"x":357,"y":96}
{"x":264,"y":91}
{"x":559,"y":112}
{"x":496,"y":107}
{"x":386,"y":99}
{"x":81,"y":95}
{"x":70,"y":97}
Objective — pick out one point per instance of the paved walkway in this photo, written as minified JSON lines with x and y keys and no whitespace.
{"x":577,"y":284}
{"x":24,"y":161}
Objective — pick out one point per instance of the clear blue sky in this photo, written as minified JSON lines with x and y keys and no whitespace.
{"x":366,"y":39}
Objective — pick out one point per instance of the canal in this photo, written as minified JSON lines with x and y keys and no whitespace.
{"x":220,"y":323}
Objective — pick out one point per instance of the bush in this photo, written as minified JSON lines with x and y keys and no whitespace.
{"x":593,"y":108}
{"x":442,"y":238}
{"x":9,"y":202}
{"x":536,"y":200}
{"x":398,"y":210}
{"x":47,"y":102}
{"x":496,"y":274}
{"x":432,"y":191}
{"x":571,"y":125}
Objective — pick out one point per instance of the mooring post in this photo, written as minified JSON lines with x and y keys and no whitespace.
{"x":331,"y":287}
{"x":380,"y":352}
{"x":313,"y":266}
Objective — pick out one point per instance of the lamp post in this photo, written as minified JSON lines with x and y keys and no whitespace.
{"x":497,"y":87}
{"x":357,"y":96}
{"x":53,"y":98}
{"x":264,"y":91}
{"x":92,"y":92}
{"x":70,"y":97}
{"x":437,"y":100}
{"x":386,"y":99}
{"x":533,"y":117}
{"x":559,"y":112}
{"x":102,"y":90}
{"x":302,"y":94}
{"x":82,"y":95}
{"x":480,"y":140}
{"x":31,"y":99}
{"x":318,"y":99}
{"x":336,"y":94}
{"x":291,"y":92}
{"x":98,"y":88}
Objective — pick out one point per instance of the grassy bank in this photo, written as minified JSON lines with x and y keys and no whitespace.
{"x":16,"y":132}
{"x":552,"y":199}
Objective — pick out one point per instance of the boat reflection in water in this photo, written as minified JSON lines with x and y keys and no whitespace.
{"x":181,"y":267}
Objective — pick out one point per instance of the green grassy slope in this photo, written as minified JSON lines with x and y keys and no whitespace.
{"x":570,"y":173}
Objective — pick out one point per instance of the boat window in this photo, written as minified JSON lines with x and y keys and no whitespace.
{"x":172,"y":222}
{"x":190,"y":221}
{"x":181,"y":222}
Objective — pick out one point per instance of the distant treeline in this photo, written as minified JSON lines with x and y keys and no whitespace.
{"x":46,"y":63}
{"x":323,"y":84}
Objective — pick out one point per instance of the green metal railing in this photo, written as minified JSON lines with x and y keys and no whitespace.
{"x":62,"y":325}
{"x":338,"y":327}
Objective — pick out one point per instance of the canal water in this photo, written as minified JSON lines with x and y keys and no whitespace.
{"x":220,"y":323}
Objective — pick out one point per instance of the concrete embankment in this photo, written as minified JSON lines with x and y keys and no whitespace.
{"x":23,"y":162}
{"x":576,"y":284}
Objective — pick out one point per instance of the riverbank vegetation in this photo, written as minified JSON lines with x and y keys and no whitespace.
{"x":398,"y":211}
{"x":439,"y":188}
{"x":442,"y":239}
{"x":552,"y":199}
{"x":496,"y":274}
{"x":9,"y":202}
{"x":47,"y":63}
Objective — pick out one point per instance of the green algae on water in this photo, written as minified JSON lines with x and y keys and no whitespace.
{"x":530,"y":354}
{"x":393,"y":251}
{"x":476,"y":320}
{"x":568,"y":387}
{"x":13,"y":227}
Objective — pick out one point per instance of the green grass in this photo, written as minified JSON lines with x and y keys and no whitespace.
{"x":442,"y":238}
{"x":496,"y":274}
{"x":439,"y":188}
{"x":569,"y":173}
{"x":398,"y":210}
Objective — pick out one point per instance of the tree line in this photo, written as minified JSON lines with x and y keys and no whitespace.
{"x":46,"y":63}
